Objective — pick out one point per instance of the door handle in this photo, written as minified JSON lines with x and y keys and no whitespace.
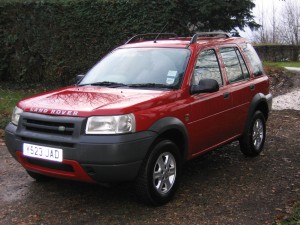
{"x":252,"y":87}
{"x":226,"y":95}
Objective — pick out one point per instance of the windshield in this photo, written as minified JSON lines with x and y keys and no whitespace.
{"x":140,"y":67}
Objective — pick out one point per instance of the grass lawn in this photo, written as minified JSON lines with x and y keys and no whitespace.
{"x":294,"y":218}
{"x":8,"y":100}
{"x":281,"y":64}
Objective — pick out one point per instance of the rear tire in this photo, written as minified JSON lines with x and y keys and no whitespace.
{"x":253,"y":140}
{"x":159,"y":176}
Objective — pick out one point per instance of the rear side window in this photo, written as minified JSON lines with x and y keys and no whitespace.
{"x":254,"y":60}
{"x":236,"y":69}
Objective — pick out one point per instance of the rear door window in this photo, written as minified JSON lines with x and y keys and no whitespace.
{"x":235,"y":65}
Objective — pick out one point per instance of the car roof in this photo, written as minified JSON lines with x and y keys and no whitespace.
{"x":184,"y":42}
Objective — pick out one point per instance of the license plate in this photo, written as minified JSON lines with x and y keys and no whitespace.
{"x":42,"y":152}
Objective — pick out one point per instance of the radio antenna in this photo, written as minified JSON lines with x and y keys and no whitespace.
{"x":160,"y":33}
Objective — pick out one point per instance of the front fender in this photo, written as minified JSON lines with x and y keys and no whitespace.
{"x":174,"y":129}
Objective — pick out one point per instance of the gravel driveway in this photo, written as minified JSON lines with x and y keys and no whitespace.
{"x":290,"y":100}
{"x":221,"y":187}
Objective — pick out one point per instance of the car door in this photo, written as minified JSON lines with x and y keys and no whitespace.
{"x":242,"y":88}
{"x":210,"y":113}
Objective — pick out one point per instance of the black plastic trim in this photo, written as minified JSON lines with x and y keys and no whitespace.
{"x":257,"y":99}
{"x":171,"y":123}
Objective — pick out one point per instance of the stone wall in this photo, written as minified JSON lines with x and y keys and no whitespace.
{"x":277,"y":53}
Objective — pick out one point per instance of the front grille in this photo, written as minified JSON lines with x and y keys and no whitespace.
{"x":53,"y":131}
{"x":50,"y":165}
{"x":49,"y":127}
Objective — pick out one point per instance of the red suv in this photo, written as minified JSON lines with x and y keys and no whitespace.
{"x":143,"y":110}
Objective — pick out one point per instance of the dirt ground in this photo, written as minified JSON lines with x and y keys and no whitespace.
{"x":221,"y":187}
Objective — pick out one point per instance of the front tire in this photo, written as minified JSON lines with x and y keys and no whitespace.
{"x":252,"y":142}
{"x":159,"y":176}
{"x":38,"y":177}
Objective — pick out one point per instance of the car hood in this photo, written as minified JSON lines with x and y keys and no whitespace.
{"x":88,"y":100}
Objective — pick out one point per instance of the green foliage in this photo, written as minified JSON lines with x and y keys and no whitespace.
{"x":210,"y":15}
{"x":281,"y":64}
{"x":294,"y":218}
{"x":8,"y":99}
{"x":52,"y":41}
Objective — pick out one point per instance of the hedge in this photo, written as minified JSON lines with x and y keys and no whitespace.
{"x":52,"y":41}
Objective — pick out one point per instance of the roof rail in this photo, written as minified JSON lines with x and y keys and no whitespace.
{"x":156,"y":35}
{"x":209,"y":34}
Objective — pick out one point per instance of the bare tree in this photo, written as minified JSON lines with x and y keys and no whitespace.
{"x":274,"y":24}
{"x":290,"y":26}
{"x":262,"y":34}
{"x":279,"y":25}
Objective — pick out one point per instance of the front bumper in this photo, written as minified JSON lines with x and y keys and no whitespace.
{"x":88,"y":158}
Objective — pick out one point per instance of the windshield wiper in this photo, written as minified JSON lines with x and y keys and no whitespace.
{"x":151,"y":85}
{"x":106,"y":84}
{"x":116,"y":84}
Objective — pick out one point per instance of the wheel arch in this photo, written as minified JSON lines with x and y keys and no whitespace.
{"x":173,"y":129}
{"x":259,"y":102}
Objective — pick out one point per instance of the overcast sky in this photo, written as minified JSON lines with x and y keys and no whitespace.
{"x":265,"y":6}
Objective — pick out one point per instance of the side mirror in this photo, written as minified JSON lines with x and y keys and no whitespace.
{"x":205,"y":86}
{"x":79,"y":78}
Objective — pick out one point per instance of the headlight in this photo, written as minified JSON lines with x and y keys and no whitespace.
{"x":110,"y":124}
{"x":16,"y":115}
